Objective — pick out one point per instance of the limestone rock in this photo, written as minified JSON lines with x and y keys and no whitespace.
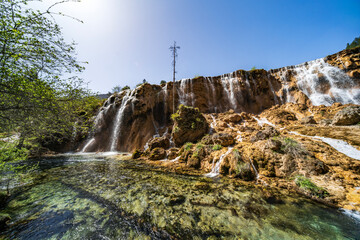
{"x":347,"y":116}
{"x":264,"y":134}
{"x":172,"y":153}
{"x":273,"y":144}
{"x":157,"y":154}
{"x":308,"y":120}
{"x":159,"y":142}
{"x":223,"y":139}
{"x":233,"y":118}
{"x":136,"y":154}
{"x":189,"y":125}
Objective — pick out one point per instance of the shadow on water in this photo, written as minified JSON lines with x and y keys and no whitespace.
{"x":88,"y":197}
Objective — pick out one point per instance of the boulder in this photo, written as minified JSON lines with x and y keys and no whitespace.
{"x":157,"y":154}
{"x":265,"y":134}
{"x":308,"y":120}
{"x":136,"y":154}
{"x":159,"y":142}
{"x":325,"y":122}
{"x":233,"y":118}
{"x":223,"y":139}
{"x":172,"y":153}
{"x":189,"y":125}
{"x":273,"y":144}
{"x":347,"y":116}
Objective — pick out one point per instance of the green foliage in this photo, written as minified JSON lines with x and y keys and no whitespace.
{"x":162,"y":82}
{"x":199,"y":146}
{"x":125,"y":88}
{"x":193,"y":125}
{"x":175,"y":116}
{"x":310,"y":187}
{"x":10,"y":168}
{"x":292,"y":147}
{"x":116,"y":89}
{"x":216,"y":147}
{"x":36,"y":99}
{"x":253,"y":68}
{"x":354,"y":44}
{"x":188,"y":146}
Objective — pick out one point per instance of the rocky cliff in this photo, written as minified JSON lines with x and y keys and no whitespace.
{"x":130,"y":118}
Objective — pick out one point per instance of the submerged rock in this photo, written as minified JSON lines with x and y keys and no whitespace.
{"x":189,"y":125}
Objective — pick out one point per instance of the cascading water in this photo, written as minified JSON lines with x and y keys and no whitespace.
{"x":231,"y":86}
{"x":325,"y":84}
{"x":185,"y":93}
{"x":238,"y":137}
{"x":98,"y":119}
{"x":216,"y":167}
{"x":118,"y":119}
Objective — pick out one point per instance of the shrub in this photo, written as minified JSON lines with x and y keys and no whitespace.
{"x":162,"y":82}
{"x":188,"y":146}
{"x":310,"y":187}
{"x":125,"y":88}
{"x":292,"y":147}
{"x":216,"y":147}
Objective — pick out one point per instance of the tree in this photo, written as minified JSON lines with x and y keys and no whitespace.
{"x":354,"y":44}
{"x":115,"y":89}
{"x":162,"y":82}
{"x":144,"y":81}
{"x":35,"y":96}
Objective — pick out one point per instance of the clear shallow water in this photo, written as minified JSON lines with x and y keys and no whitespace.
{"x":86,"y":197}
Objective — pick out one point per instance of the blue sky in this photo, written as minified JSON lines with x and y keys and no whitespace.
{"x":126,"y":41}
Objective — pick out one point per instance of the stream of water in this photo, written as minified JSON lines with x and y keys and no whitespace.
{"x":87,"y":196}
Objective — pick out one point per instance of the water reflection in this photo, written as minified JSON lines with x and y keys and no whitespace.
{"x":88,"y":197}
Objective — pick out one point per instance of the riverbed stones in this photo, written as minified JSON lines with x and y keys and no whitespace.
{"x":347,"y":116}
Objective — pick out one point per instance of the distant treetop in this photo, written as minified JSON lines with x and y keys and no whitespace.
{"x":354,"y":44}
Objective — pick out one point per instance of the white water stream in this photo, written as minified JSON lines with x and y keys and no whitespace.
{"x":339,"y":145}
{"x":118,"y":119}
{"x":216,"y":167}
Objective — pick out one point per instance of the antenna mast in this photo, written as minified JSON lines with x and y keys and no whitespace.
{"x":173,"y":50}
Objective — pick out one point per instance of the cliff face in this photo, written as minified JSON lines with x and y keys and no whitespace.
{"x":130,"y":118}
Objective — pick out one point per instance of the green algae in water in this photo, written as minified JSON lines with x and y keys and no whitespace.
{"x":127,"y":200}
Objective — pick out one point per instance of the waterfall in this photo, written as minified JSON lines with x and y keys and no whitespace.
{"x":230,"y":85}
{"x":272,"y":89}
{"x":98,"y":119}
{"x":186,"y":97}
{"x":285,"y":93}
{"x":216,"y":167}
{"x":212,"y":99}
{"x":118,"y":119}
{"x":253,"y":166}
{"x":325,"y":84}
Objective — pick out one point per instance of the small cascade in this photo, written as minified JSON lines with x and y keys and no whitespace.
{"x":98,"y":119}
{"x":238,"y":137}
{"x":285,"y":93}
{"x":212,"y":124}
{"x":216,"y":167}
{"x":253,"y":166}
{"x":272,"y":89}
{"x":211,"y":89}
{"x":231,"y":86}
{"x":118,"y":119}
{"x":185,"y":93}
{"x":263,"y":121}
{"x":325,"y":84}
